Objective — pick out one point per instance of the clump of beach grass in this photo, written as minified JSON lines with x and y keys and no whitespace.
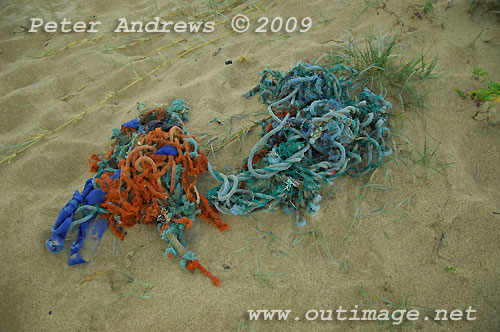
{"x":382,"y":68}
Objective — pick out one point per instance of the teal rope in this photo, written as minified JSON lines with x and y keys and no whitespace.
{"x":328,"y":131}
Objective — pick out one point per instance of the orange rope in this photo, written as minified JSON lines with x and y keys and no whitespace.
{"x":191,"y":265}
{"x":133,"y":198}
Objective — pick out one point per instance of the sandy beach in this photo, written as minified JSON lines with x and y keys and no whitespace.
{"x":417,"y":233}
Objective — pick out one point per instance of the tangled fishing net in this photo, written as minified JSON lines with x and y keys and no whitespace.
{"x":319,"y":127}
{"x":148,"y":177}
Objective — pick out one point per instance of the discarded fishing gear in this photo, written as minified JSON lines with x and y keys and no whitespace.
{"x":319,"y":127}
{"x":148,"y":177}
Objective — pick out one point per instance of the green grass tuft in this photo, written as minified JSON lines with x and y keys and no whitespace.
{"x":427,"y":6}
{"x":485,"y":94}
{"x":479,"y":71}
{"x":379,"y":65}
{"x":491,"y":93}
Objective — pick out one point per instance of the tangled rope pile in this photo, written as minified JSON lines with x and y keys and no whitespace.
{"x":149,"y":176}
{"x":319,"y":127}
{"x":317,"y":130}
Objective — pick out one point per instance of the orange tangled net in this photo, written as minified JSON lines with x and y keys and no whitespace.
{"x":148,"y":181}
{"x":131,"y":197}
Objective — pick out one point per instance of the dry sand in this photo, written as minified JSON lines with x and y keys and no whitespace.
{"x":391,"y":253}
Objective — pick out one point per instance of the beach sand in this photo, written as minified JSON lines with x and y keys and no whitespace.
{"x":422,"y":234}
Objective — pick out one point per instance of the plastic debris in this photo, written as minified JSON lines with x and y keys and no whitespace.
{"x":320,"y":126}
{"x":148,"y":177}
